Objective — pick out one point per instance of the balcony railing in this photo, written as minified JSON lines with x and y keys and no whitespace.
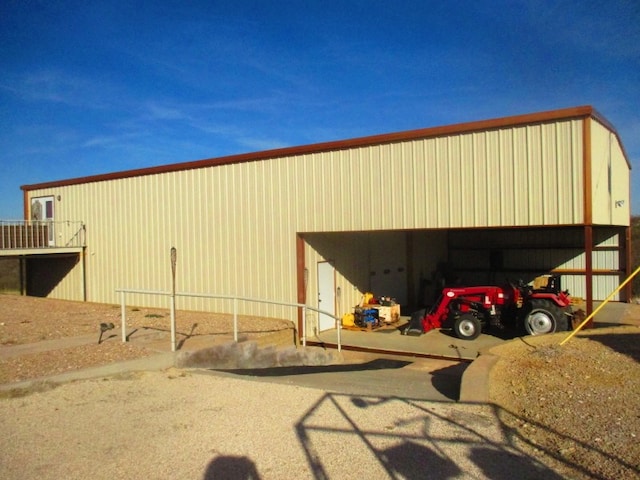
{"x":25,"y":234}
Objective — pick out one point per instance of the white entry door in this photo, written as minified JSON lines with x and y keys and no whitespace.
{"x":42,"y":214}
{"x":326,"y":295}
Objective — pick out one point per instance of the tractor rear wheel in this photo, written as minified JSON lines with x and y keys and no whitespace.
{"x":543,"y":316}
{"x":467,"y":327}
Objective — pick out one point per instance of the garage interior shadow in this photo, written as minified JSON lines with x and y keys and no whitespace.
{"x":45,"y":272}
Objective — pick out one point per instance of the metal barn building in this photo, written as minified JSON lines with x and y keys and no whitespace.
{"x":321,"y":224}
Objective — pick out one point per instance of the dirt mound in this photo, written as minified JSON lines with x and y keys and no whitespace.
{"x":576,"y":405}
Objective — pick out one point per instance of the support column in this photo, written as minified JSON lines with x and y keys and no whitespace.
{"x":588,"y":213}
{"x":23,"y":275}
{"x":83,"y":267}
{"x":626,"y":262}
{"x":588,"y":253}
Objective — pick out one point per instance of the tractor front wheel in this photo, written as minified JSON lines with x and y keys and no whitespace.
{"x":543,"y":316}
{"x":467,"y":327}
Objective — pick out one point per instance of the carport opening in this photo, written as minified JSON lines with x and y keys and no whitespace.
{"x":413,"y":266}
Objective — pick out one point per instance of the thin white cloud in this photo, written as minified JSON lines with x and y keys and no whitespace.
{"x":99,"y":141}
{"x":158,"y":111}
{"x":58,"y":86}
{"x":115,"y":140}
{"x":260,"y":143}
{"x":239,"y":136}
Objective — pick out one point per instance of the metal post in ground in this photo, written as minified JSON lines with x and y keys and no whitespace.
{"x":173,"y":298}
{"x":338,"y":322}
{"x":235,"y":320}
{"x":123,"y":316}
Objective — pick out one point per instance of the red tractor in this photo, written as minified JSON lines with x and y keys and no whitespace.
{"x":468,"y":310}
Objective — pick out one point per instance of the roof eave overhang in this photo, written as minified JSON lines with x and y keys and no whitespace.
{"x":504,"y":122}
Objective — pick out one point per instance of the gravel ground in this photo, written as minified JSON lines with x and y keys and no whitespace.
{"x":577,"y":404}
{"x":558,"y":412}
{"x":185,"y":425}
{"x":28,"y":320}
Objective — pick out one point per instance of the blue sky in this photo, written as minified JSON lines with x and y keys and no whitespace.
{"x":96,"y":87}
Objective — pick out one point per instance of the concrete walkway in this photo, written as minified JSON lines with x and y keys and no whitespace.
{"x":436,"y":343}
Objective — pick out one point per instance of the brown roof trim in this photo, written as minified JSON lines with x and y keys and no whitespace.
{"x":574,"y":112}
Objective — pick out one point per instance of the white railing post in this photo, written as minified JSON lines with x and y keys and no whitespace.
{"x":123,"y":316}
{"x":173,"y":298}
{"x":304,"y":326}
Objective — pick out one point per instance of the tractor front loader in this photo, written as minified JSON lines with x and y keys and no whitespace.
{"x":537,"y":310}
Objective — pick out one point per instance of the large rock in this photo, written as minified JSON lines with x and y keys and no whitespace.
{"x":244,"y":355}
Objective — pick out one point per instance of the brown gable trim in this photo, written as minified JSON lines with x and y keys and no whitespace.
{"x":532,"y":118}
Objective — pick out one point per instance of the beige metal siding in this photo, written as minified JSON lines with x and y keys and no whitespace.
{"x":621,"y":176}
{"x":601,"y":173}
{"x":523,"y":176}
{"x":225,"y":223}
{"x":610,"y":178}
{"x":604,"y":285}
{"x":235,"y":225}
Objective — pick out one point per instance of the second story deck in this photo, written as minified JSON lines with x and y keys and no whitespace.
{"x":24,"y":237}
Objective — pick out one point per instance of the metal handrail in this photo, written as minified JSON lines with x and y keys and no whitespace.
{"x":31,"y":234}
{"x":235,"y":298}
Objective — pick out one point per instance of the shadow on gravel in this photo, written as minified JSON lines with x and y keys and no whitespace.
{"x":409,"y":438}
{"x":226,"y":467}
{"x":377,"y":364}
{"x":412,"y":439}
{"x":447,"y":380}
{"x":624,"y":343}
{"x":187,"y":337}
